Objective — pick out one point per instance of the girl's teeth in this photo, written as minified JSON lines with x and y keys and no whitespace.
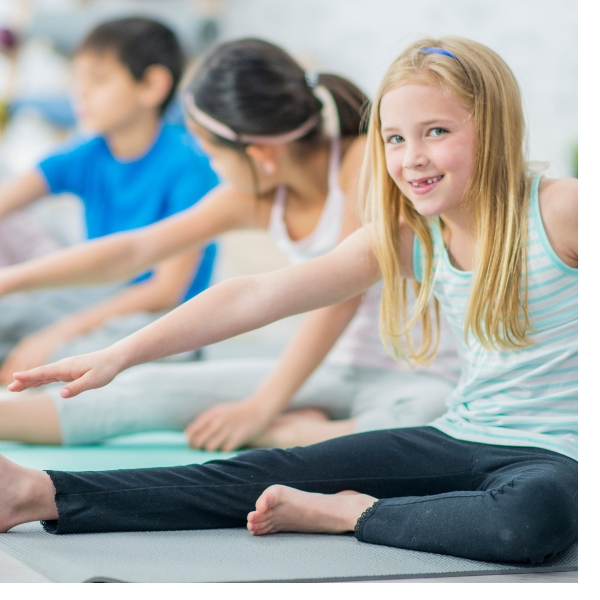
{"x":428,"y":182}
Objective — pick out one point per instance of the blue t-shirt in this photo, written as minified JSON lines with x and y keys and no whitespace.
{"x":121,"y":195}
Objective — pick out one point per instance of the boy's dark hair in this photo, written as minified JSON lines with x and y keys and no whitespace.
{"x":139,"y":43}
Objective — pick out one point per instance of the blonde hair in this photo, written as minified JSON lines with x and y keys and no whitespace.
{"x":496,"y":194}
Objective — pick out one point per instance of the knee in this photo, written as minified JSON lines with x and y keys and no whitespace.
{"x":540,"y":520}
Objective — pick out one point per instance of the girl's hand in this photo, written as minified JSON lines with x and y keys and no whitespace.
{"x":228,"y":426}
{"x":86,"y":372}
{"x":32,"y":351}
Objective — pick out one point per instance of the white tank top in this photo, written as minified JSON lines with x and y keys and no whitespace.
{"x":360,"y":344}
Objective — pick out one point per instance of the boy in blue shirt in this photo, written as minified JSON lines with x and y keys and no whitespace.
{"x":133,"y":172}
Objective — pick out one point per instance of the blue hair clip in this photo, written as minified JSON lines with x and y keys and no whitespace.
{"x":438,"y":51}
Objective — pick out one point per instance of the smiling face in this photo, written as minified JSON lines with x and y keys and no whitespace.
{"x":429,"y":138}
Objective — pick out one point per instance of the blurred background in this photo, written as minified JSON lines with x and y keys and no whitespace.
{"x":355,"y":38}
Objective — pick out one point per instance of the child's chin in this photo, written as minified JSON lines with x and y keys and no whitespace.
{"x":424,"y":208}
{"x":88,"y":126}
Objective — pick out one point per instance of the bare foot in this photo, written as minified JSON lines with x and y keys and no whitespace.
{"x":25,"y":495}
{"x":299,"y":429}
{"x":282,"y":508}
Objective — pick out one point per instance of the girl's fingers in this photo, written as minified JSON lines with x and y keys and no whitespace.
{"x":203,"y":435}
{"x":82,"y":384}
{"x":16,"y":386}
{"x":215,"y":442}
{"x":233,"y":443}
{"x":196,"y":430}
{"x":49,"y":373}
{"x":195,"y":426}
{"x":237,"y":438}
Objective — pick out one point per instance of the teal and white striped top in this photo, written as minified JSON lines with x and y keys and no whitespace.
{"x":525,"y":397}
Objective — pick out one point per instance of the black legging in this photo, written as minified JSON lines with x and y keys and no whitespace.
{"x":437,"y":494}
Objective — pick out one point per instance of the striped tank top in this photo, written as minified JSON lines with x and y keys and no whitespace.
{"x":524,"y":397}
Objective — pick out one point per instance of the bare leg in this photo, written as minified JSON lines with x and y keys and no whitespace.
{"x":25,"y":495}
{"x":282,"y":508}
{"x":302,"y":428}
{"x":30,"y":419}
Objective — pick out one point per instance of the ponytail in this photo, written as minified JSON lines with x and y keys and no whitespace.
{"x":255,"y":88}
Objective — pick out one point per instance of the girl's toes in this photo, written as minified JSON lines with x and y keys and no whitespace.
{"x":261,"y":530}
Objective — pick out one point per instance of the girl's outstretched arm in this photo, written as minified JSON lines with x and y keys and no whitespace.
{"x":223,"y":311}
{"x":123,"y":255}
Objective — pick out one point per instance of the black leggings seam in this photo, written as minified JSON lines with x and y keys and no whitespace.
{"x":234,"y":485}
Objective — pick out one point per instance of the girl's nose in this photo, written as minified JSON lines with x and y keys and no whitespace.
{"x":414,"y":156}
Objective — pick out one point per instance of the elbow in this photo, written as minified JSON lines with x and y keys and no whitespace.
{"x":165,"y":300}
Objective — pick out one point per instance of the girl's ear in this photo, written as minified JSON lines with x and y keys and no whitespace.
{"x":265,"y":156}
{"x":155,"y":86}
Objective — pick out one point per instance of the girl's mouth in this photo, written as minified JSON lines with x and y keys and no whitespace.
{"x":424,"y":185}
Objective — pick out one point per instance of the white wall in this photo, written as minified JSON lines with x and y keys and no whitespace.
{"x":359,"y":38}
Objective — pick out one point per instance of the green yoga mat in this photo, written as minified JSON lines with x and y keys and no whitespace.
{"x":160,"y":449}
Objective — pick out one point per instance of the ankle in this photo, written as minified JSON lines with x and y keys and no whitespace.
{"x":35,"y":499}
{"x":357,"y":505}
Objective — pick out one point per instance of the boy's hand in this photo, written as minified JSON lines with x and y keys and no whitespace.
{"x":228,"y":426}
{"x":86,"y":372}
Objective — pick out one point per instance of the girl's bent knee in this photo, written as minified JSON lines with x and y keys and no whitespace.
{"x":541,"y":517}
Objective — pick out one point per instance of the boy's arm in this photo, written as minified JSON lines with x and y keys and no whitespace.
{"x":162,"y":292}
{"x":21,"y":191}
{"x":223,"y":311}
{"x":121,"y":256}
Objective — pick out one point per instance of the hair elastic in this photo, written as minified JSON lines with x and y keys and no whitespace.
{"x":438,"y":51}
{"x":312,"y":79}
{"x":226,"y":132}
{"x":329,"y":113}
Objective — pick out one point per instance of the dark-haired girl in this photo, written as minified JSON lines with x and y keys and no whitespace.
{"x":288,"y":145}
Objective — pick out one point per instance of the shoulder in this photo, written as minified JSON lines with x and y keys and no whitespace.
{"x":177,"y":137}
{"x":237,"y":208}
{"x":181,"y":147}
{"x":79,"y":145}
{"x":559,"y":211}
{"x":351,"y":162}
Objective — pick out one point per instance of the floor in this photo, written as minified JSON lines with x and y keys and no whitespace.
{"x":14,"y":571}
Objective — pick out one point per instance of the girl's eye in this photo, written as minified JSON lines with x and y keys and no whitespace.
{"x":437,"y":131}
{"x":395,"y":139}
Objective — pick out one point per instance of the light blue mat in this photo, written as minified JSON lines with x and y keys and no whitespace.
{"x":160,"y":449}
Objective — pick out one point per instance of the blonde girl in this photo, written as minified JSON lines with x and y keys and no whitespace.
{"x":287,"y":145}
{"x":453,"y":206}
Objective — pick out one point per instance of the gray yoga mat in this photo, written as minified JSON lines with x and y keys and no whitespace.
{"x":233,"y":555}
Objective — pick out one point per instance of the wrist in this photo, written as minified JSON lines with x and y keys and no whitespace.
{"x":9,"y":280}
{"x":265,"y":405}
{"x":118,"y":356}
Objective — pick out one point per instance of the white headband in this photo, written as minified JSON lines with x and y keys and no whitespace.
{"x":329,"y":115}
